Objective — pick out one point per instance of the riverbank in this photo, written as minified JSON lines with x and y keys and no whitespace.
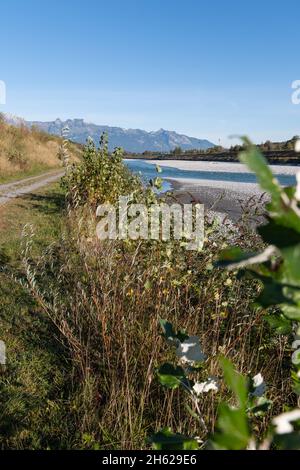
{"x":226,"y":167}
{"x":223,"y":201}
{"x":227,"y":196}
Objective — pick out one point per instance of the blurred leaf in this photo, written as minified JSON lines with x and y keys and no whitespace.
{"x":256,"y":162}
{"x":263,"y":406}
{"x":237,"y":383}
{"x":273,"y":292}
{"x":235,"y":258}
{"x":291,"y":257}
{"x":170,"y":376}
{"x":169,"y":332}
{"x":232,"y":429}
{"x":279,"y":323}
{"x":277,"y":235}
{"x":232,"y":254}
{"x":296,"y":357}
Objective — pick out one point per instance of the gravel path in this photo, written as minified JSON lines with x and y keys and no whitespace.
{"x":27,"y":185}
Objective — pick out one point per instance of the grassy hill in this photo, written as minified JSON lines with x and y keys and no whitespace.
{"x":26,"y":152}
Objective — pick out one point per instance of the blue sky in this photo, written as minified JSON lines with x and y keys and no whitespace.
{"x":209,"y":69}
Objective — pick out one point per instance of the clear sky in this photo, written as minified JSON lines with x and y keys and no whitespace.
{"x":208,"y":68}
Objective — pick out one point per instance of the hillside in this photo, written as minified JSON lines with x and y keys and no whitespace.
{"x":25,"y":151}
{"x":132,"y":140}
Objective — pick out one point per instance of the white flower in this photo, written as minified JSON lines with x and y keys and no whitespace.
{"x":296,"y":357}
{"x":258,"y":385}
{"x":204,"y":387}
{"x":190,"y":350}
{"x":296,"y":344}
{"x":297,"y":145}
{"x":297,"y":193}
{"x":283,"y":422}
{"x":2,"y":353}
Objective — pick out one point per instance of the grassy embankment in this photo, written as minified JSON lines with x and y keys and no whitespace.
{"x":28,"y":152}
{"x":34,"y":383}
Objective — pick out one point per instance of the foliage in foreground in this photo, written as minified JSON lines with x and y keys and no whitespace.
{"x":104,"y":301}
{"x":278,"y":270}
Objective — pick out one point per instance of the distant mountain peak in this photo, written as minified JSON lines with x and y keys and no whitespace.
{"x":132,"y":140}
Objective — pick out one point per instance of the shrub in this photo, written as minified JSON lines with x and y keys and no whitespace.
{"x":100,"y":177}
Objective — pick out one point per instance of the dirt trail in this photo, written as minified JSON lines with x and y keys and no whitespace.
{"x":18,"y":188}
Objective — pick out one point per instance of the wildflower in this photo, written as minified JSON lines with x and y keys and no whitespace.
{"x":283,"y":422}
{"x":190,"y":350}
{"x":259,"y":386}
{"x":130,"y":293}
{"x":228,"y":282}
{"x":224,"y":314}
{"x":210,"y":384}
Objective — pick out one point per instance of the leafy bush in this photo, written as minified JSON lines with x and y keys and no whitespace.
{"x":100,"y":177}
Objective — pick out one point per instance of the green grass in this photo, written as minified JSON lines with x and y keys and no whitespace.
{"x":34,"y":385}
{"x":33,"y":171}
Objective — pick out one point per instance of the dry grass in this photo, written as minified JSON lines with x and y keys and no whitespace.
{"x":26,"y":151}
{"x":106,"y":299}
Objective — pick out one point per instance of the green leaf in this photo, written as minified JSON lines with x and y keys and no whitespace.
{"x":256,"y":162}
{"x":237,"y":383}
{"x":291,"y":257}
{"x":235,"y":258}
{"x":169,"y":332}
{"x":232,"y":255}
{"x":273,"y":293}
{"x":279,"y":323}
{"x":232,"y":429}
{"x":291,"y":312}
{"x":167,"y":440}
{"x":170,"y":376}
{"x":278,"y":235}
{"x":262,"y":407}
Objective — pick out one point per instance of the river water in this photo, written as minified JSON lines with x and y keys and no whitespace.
{"x":148,"y":171}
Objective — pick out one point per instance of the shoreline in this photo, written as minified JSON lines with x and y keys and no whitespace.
{"x":226,"y":167}
{"x":227,"y":200}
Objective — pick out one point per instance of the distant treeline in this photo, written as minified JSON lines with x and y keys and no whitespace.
{"x":275,"y":152}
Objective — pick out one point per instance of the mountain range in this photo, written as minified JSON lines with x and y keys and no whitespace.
{"x":132,"y":140}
